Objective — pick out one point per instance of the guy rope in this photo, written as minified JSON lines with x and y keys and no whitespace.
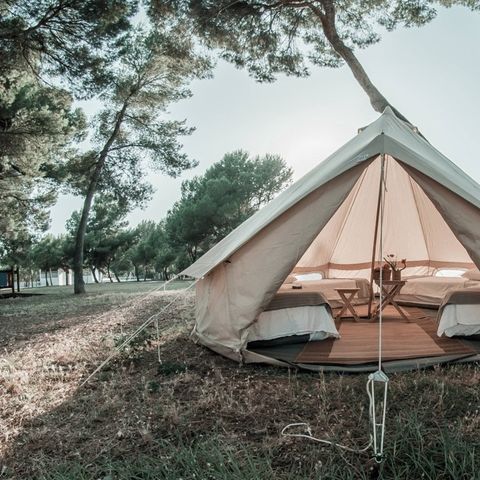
{"x":150,"y":320}
{"x":377,"y":383}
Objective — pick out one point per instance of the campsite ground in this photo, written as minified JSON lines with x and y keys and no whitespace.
{"x":198,"y":415}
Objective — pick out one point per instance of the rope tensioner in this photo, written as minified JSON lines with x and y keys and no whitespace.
{"x":377,"y":380}
{"x":378,"y":415}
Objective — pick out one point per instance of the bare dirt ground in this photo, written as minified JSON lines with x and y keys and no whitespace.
{"x":196,"y":414}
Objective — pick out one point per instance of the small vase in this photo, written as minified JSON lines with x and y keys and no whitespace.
{"x":386,"y":274}
{"x":396,"y":275}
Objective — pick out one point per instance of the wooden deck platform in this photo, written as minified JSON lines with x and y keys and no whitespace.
{"x":358,"y":345}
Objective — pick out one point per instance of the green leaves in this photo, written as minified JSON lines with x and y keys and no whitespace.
{"x":272,"y":37}
{"x":47,"y":253}
{"x":214,"y":204}
{"x":105,"y":236}
{"x":37,"y":124}
{"x":73,"y":40}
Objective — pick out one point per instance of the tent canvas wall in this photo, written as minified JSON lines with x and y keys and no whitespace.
{"x":325,"y":221}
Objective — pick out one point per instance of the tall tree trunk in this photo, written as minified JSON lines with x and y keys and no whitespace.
{"x":137,"y":273}
{"x":78,"y":282}
{"x":116,"y":276}
{"x":67,"y":274}
{"x":109,"y":274}
{"x":145,"y":274}
{"x":50,"y":275}
{"x":327,"y":19}
{"x":46,"y":278}
{"x":95,"y":279}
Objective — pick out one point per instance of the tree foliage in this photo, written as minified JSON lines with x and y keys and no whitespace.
{"x":47,"y":255}
{"x":269,"y":37}
{"x":212,"y":205}
{"x":37,"y":126}
{"x":65,"y":38}
{"x":228,"y":193}
{"x":43,"y":44}
{"x":132,"y":134}
{"x":142,"y":254}
{"x":105,"y":235}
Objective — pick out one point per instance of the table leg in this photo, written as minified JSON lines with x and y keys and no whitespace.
{"x":400,"y":310}
{"x":389,"y":299}
{"x":383,"y":304}
{"x":344,"y":308}
{"x":348,"y":306}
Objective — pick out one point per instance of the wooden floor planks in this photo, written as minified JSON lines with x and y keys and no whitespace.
{"x":401,"y":340}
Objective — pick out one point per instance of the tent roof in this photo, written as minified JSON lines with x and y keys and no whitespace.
{"x":386,"y":135}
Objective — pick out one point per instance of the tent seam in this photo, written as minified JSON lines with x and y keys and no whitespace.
{"x":347,"y":214}
{"x":419,"y":216}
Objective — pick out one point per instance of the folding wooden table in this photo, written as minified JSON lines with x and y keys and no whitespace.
{"x":390,"y":288}
{"x":347,"y":294}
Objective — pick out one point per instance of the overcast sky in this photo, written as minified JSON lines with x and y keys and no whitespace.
{"x":431,"y":74}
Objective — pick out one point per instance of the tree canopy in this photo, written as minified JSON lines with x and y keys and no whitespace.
{"x":105,"y":235}
{"x":212,"y":205}
{"x":37,"y":127}
{"x":269,"y":37}
{"x":229,"y":192}
{"x":131,"y":132}
{"x":69,"y":39}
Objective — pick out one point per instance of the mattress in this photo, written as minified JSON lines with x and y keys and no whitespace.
{"x":459,"y":314}
{"x":431,"y":290}
{"x":326,"y":287}
{"x":315,"y":321}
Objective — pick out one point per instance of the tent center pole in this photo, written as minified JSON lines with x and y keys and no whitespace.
{"x":377,"y":219}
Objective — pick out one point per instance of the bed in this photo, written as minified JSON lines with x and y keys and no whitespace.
{"x":293,"y":316}
{"x":459,"y":313}
{"x":430,"y":291}
{"x":326,"y":287}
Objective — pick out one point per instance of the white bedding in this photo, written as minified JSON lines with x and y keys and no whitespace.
{"x":431,"y":290}
{"x":461,"y":320}
{"x":316,"y":321}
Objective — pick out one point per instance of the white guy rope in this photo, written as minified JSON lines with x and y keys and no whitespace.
{"x":382,"y":212}
{"x":378,"y":376}
{"x":136,"y":332}
{"x":309,"y":435}
{"x":158,"y":341}
{"x":138,"y":300}
{"x":133,"y":304}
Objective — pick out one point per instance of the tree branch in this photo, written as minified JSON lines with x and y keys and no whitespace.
{"x":327,"y":18}
{"x":127,"y":145}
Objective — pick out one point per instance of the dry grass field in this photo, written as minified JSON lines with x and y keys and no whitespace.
{"x":197,"y":415}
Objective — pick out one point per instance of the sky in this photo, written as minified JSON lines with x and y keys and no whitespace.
{"x":431,"y":74}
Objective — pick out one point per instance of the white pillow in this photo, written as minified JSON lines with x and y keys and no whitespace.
{"x":473,"y":274}
{"x":306,"y":277}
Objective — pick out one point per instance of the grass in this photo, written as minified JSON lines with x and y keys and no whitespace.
{"x":197,"y":415}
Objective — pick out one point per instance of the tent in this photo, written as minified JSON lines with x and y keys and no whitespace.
{"x":326,"y":221}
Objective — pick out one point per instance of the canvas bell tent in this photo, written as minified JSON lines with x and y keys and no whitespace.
{"x":328,"y":222}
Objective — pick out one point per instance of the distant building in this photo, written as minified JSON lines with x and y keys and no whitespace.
{"x":60,"y":278}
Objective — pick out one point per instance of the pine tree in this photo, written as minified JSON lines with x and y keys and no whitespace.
{"x":132,"y":133}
